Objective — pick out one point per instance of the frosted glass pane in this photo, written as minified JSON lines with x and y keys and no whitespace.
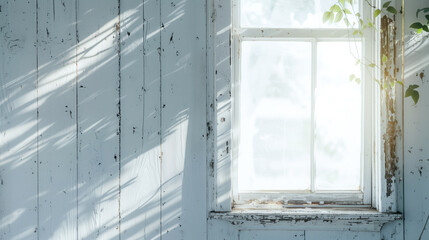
{"x":338,"y":118}
{"x":275,"y":113}
{"x":287,"y":13}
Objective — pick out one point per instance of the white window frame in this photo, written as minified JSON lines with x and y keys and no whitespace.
{"x":313,"y":36}
{"x":220,"y":101}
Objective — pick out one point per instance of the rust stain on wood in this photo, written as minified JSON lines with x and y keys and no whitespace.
{"x":389,"y":77}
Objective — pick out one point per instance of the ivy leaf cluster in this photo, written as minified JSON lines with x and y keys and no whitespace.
{"x":338,"y":12}
{"x":343,"y":10}
{"x":419,"y":26}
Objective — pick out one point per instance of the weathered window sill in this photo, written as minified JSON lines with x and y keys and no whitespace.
{"x":353,"y":219}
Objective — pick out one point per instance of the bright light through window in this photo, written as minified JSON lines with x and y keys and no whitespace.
{"x":287,"y":13}
{"x":298,"y":116}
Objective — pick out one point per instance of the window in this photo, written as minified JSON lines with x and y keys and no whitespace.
{"x":301,"y":131}
{"x":245,"y":48}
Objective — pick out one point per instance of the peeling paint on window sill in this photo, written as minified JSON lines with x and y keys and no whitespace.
{"x":347,"y":219}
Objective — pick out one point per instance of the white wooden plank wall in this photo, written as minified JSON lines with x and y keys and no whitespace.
{"x":272,"y":235}
{"x":57,"y":119}
{"x":82,"y":125}
{"x":416,"y":160}
{"x":183,"y":105}
{"x":140,"y":111}
{"x":18,"y":121}
{"x":103,"y":124}
{"x":98,"y":119}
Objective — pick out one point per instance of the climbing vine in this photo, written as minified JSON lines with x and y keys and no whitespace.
{"x":343,"y":10}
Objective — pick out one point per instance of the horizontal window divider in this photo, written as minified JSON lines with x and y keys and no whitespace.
{"x":279,"y":33}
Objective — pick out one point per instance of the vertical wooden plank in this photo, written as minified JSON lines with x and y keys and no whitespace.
{"x":98,"y":119}
{"x":395,"y":230}
{"x":183,"y":119}
{"x":221,"y":230}
{"x":57,"y":120}
{"x":18,"y":120}
{"x":210,"y":111}
{"x":140,"y":131}
{"x":341,"y":235}
{"x":271,"y":234}
{"x":222,"y":124}
{"x":416,"y":144}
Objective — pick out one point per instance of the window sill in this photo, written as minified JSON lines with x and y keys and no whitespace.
{"x":352,"y":219}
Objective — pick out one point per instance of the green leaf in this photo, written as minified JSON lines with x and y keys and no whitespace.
{"x":411,"y":92}
{"x":425,"y":28}
{"x":384,"y":85}
{"x":346,"y":22}
{"x":385,"y":5}
{"x":416,"y":25}
{"x":357,"y":14}
{"x":351,"y":77}
{"x":372,"y":65}
{"x":384,"y":59}
{"x":335,"y":8}
{"x":392,"y":10}
{"x":347,"y":11}
{"x":358,"y":62}
{"x":377,"y":12}
{"x":401,"y":83}
{"x":342,"y":2}
{"x":412,"y":87}
{"x":355,"y":32}
{"x":326,"y":16}
{"x":419,"y":30}
{"x":338,"y":17}
{"x":331,"y":17}
{"x":370,"y":24}
{"x":357,"y":80}
{"x":415,"y":95}
{"x":392,"y":84}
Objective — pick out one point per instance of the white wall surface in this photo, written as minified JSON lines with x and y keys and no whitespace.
{"x":103,"y":125}
{"x":102,"y":119}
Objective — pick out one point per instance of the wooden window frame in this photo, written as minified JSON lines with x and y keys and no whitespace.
{"x":220,"y":120}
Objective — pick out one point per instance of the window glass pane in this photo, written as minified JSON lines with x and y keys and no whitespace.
{"x":338,"y":117}
{"x":288,"y":13}
{"x":275,"y":116}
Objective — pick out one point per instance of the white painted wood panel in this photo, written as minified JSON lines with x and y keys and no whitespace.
{"x":272,"y":235}
{"x":341,"y":235}
{"x":416,"y":161}
{"x":221,"y":230}
{"x":392,"y":231}
{"x":183,"y":76}
{"x":140,"y":111}
{"x":57,"y":120}
{"x":98,"y":119}
{"x":18,"y":120}
{"x":89,"y":164}
{"x":223,"y":87}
